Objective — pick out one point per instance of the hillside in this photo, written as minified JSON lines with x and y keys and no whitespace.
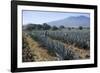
{"x":72,"y":21}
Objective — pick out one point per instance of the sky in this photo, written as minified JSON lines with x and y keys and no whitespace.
{"x":40,"y":17}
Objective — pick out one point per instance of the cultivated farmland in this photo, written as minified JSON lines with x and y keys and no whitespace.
{"x":56,"y":44}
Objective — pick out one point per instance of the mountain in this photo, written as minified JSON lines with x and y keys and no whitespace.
{"x":72,"y":21}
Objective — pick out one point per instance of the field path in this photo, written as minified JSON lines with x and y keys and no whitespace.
{"x":40,"y":54}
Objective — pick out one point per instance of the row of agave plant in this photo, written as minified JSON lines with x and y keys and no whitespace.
{"x":78,"y":38}
{"x":56,"y":46}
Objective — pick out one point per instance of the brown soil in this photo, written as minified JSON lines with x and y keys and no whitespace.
{"x":40,"y":54}
{"x":84,"y":54}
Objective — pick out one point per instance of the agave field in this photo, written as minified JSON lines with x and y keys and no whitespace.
{"x":63,"y":44}
{"x":80,"y":38}
{"x":55,"y":35}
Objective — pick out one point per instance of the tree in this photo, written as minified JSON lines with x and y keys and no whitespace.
{"x":30,"y":27}
{"x":61,"y":27}
{"x":46,"y":26}
{"x":39,"y":27}
{"x":69,"y":28}
{"x":80,"y":27}
{"x":54,"y":28}
{"x":73,"y":28}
